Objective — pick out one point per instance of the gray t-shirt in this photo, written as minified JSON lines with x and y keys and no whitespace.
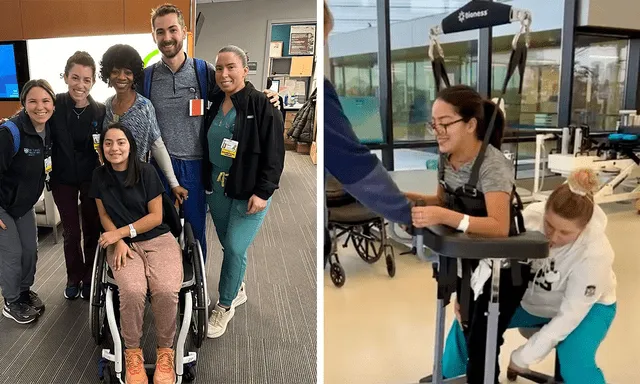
{"x":496,"y":173}
{"x":140,"y":119}
{"x":170,"y":94}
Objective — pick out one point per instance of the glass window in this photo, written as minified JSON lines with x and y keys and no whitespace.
{"x":353,"y":58}
{"x":412,"y":82}
{"x":598,"y":81}
{"x":537,"y":106}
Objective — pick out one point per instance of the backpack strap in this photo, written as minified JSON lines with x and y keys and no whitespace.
{"x":15,"y":132}
{"x":148,"y":76}
{"x":202,"y":75}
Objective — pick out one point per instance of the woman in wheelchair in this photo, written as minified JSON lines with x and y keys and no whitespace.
{"x":475,"y":195}
{"x":571,"y":295}
{"x":141,"y":251}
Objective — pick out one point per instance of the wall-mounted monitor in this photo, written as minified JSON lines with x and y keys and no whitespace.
{"x":14,"y":69}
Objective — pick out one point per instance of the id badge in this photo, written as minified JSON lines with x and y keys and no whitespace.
{"x":229,"y":148}
{"x":96,"y":141}
{"x":196,"y":107}
{"x":47,"y":165}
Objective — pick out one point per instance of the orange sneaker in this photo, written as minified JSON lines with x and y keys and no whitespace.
{"x":165,"y":367}
{"x":134,"y":366}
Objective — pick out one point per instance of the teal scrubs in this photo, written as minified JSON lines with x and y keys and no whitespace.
{"x":235,"y":228}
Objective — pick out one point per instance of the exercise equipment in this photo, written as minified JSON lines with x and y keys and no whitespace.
{"x":446,"y":243}
{"x":613,"y":156}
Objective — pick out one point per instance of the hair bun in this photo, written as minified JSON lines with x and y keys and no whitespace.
{"x":583,"y":181}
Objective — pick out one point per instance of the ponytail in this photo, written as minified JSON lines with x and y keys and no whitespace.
{"x":574,"y":199}
{"x":489,"y":108}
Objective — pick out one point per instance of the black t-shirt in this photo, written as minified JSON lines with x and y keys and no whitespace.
{"x":80,"y":128}
{"x":126,"y":205}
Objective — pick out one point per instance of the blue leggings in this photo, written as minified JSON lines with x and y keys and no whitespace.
{"x":577,"y":353}
{"x":189,"y":175}
{"x":236,"y":231}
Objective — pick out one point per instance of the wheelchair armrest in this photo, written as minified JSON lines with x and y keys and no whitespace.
{"x":448,"y":242}
{"x":189,"y":238}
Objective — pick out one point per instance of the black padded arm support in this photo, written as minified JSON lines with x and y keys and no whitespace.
{"x":448,"y":242}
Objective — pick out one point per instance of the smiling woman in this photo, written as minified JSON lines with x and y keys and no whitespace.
{"x":122,"y":69}
{"x":25,"y":143}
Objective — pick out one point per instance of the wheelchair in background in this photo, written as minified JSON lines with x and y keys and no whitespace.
{"x":365,"y":229}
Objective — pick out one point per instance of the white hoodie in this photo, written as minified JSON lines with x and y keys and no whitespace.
{"x":583,"y":277}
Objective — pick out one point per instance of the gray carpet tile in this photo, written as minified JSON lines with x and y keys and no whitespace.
{"x":271,"y":339}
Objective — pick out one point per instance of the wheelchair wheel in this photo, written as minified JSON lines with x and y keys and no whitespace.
{"x":199,"y":319}
{"x":110,"y":375}
{"x":189,"y":373}
{"x":391,"y":263}
{"x":337,"y":274}
{"x":97,"y":311}
{"x":366,"y":243}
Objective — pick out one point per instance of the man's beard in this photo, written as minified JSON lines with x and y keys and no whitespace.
{"x":177,"y":48}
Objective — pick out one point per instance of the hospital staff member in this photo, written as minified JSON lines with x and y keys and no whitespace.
{"x":572,"y":293}
{"x":244,"y":149}
{"x":25,"y":160}
{"x":352,"y":163}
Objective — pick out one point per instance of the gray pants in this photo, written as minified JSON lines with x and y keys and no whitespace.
{"x":18,"y":254}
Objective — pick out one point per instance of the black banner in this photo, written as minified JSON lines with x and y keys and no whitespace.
{"x":475,"y":15}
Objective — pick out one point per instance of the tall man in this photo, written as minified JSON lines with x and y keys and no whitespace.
{"x":179,"y":88}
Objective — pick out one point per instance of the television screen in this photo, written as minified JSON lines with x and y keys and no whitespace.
{"x":8,"y":73}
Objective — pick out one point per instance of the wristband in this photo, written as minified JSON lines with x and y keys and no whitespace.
{"x":464,"y":224}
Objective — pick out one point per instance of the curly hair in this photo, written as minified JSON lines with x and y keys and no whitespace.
{"x":122,"y":56}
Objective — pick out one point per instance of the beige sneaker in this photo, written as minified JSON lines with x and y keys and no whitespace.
{"x":134,"y":366}
{"x":165,"y":367}
{"x":219,"y":321}
{"x":241,"y":297}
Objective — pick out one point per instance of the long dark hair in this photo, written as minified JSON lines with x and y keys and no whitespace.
{"x":470,"y":105}
{"x":133,"y":163}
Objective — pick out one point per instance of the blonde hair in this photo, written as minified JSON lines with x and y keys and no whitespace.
{"x":328,"y":19}
{"x":573,"y":200}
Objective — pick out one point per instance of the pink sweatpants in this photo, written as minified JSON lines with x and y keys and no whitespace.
{"x":157,"y":264}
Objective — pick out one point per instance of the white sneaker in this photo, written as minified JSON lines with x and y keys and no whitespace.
{"x":219,"y":321}
{"x":241,"y":297}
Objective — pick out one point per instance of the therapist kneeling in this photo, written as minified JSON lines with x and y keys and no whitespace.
{"x":572,"y":293}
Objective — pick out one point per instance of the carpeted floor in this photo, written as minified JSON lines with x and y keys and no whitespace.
{"x":271,"y":339}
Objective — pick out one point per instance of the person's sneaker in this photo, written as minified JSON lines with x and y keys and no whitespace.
{"x":134,"y":367}
{"x":165,"y":371}
{"x":19,"y":312}
{"x":72,"y":292}
{"x":241,"y":297}
{"x":85,"y":292}
{"x":219,"y":320}
{"x":31,"y":299}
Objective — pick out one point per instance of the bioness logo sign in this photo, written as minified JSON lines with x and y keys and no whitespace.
{"x":462,"y":16}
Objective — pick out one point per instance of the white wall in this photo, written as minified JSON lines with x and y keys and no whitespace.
{"x":244,"y":23}
{"x":48,"y":57}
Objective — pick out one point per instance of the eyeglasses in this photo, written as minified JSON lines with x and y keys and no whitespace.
{"x":440,"y":128}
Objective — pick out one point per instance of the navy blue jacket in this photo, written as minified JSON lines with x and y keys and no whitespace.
{"x":356,"y":168}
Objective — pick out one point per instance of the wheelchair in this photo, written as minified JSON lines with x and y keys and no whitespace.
{"x":365,"y":229}
{"x":192,"y":312}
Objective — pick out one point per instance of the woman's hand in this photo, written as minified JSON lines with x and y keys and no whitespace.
{"x":273,"y":97}
{"x":256,"y":205}
{"x":121,"y":253}
{"x":180,"y":193}
{"x":426,"y":216}
{"x":2,"y":225}
{"x":108,"y":238}
{"x":413,"y":197}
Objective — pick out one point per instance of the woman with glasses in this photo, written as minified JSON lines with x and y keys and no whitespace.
{"x":478,"y":203}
